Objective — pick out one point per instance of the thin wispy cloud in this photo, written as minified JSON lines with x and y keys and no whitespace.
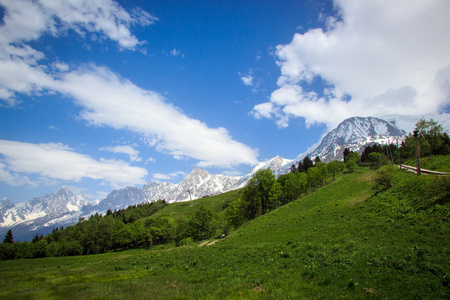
{"x":170,"y":176}
{"x":125,"y":149}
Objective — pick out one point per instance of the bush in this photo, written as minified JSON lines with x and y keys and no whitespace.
{"x":383,"y":178}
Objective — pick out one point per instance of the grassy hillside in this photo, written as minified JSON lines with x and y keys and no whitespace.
{"x":440,"y":163}
{"x":217,"y":204}
{"x":342,"y":241}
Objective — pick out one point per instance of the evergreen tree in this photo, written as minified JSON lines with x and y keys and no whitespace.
{"x":317,"y":159}
{"x":346,"y":153}
{"x":9,"y":239}
{"x":293,"y":169}
{"x":307,"y":163}
{"x":300,"y":167}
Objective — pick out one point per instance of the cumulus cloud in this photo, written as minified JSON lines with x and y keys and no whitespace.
{"x":26,"y":20}
{"x":376,"y":57}
{"x":106,"y":98}
{"x":125,"y":149}
{"x":58,"y":161}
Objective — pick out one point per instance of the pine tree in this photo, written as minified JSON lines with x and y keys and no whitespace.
{"x":293,"y":169}
{"x":300,"y":167}
{"x":9,"y":239}
{"x":346,"y":153}
{"x":307,"y":163}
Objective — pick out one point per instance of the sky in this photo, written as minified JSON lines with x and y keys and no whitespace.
{"x":97,"y":95}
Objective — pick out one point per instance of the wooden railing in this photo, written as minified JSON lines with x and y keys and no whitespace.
{"x":424,"y":171}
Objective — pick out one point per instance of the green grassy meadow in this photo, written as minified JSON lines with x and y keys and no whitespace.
{"x":440,"y":163}
{"x":344,"y":240}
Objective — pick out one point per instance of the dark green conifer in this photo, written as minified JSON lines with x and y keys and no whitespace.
{"x":9,"y":239}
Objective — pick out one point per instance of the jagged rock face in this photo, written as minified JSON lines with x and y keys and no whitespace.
{"x":63,"y":205}
{"x":123,"y":198}
{"x":158,"y":190}
{"x":201,"y":183}
{"x":355,"y":133}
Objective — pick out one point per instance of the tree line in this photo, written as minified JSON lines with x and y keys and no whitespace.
{"x":264,"y":192}
{"x":431,"y":140}
{"x":118,"y":230}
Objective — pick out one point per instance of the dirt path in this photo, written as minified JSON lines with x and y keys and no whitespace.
{"x":203,"y":244}
{"x":207,"y":243}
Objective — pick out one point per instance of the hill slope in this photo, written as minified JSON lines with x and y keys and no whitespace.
{"x":342,"y":241}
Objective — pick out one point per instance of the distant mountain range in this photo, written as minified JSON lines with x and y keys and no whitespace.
{"x":63,"y":208}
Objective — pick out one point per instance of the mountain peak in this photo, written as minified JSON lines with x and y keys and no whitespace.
{"x":354,"y":133}
{"x":64,"y":191}
{"x":198,"y":171}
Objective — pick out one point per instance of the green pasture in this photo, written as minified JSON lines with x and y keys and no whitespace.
{"x":345,"y":240}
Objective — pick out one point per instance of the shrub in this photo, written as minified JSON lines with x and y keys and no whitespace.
{"x":383,"y":178}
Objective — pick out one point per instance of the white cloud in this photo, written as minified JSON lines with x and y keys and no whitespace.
{"x":134,"y":154}
{"x":247,"y":79}
{"x":116,"y":102}
{"x":27,"y":19}
{"x":175,"y":52}
{"x":160,"y":176}
{"x":57,"y":161}
{"x":107,"y":99}
{"x":382,"y":57}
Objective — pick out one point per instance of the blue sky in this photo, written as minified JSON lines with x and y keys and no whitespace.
{"x":99,"y":95}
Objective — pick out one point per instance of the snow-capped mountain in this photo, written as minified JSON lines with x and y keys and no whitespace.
{"x":276,"y":164}
{"x":200,"y":183}
{"x":61,"y":207}
{"x":122,"y":198}
{"x":355,"y":133}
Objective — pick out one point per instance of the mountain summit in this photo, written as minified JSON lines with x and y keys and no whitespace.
{"x":355,"y":133}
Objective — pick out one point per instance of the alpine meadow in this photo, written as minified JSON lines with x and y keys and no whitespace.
{"x":352,"y":238}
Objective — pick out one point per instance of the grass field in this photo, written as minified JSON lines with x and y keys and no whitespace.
{"x":440,"y":163}
{"x":342,"y":241}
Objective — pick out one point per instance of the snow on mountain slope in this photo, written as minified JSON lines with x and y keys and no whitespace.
{"x":355,"y":133}
{"x":201,"y":183}
{"x":277,"y":164}
{"x":50,"y":206}
{"x":41,"y":212}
